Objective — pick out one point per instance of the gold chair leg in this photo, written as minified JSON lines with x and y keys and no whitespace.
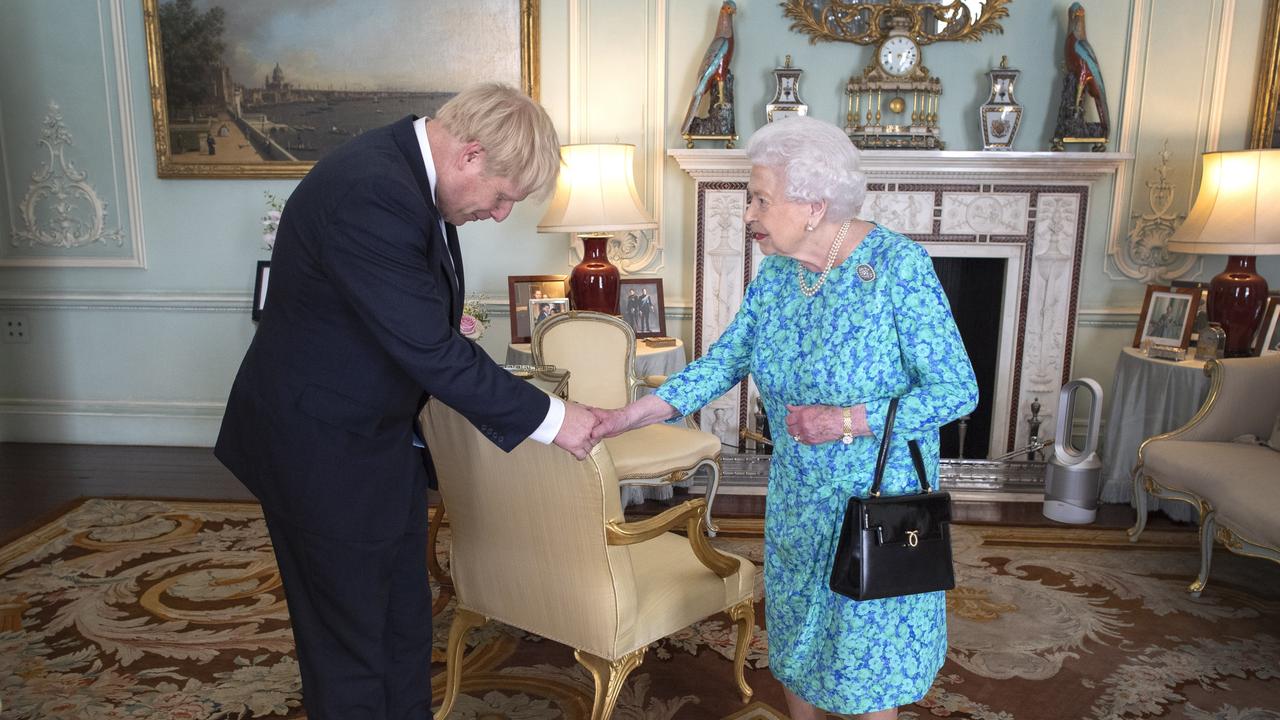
{"x":464,"y":621}
{"x":433,"y":562}
{"x":744,"y":616}
{"x":609,"y":677}
{"x":713,"y":485}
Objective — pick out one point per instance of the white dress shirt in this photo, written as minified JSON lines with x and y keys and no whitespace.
{"x":550,"y":426}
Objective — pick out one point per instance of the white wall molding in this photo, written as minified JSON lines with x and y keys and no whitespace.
{"x":124,"y":422}
{"x":237,"y":302}
{"x":1126,"y":318}
{"x":128,"y":145}
{"x":1222,"y":55}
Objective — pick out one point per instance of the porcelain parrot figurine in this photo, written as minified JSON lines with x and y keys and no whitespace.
{"x":714,"y":74}
{"x":1082,"y":65}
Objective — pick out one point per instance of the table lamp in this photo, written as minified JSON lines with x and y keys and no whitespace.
{"x":595,"y":197}
{"x":1236,"y":213}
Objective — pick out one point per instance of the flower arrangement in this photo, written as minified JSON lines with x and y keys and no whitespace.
{"x":271,"y":221}
{"x":475,"y":318}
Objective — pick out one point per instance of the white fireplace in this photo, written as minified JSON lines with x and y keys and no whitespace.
{"x":1028,"y":209}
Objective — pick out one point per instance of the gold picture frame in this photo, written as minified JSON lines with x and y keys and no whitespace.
{"x":1267,"y":92}
{"x":183,"y":149}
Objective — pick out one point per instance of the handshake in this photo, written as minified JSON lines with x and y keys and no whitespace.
{"x":584,"y":426}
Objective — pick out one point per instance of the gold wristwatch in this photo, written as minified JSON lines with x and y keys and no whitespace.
{"x":847,"y":414}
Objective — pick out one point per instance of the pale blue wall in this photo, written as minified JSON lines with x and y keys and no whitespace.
{"x":145,"y":355}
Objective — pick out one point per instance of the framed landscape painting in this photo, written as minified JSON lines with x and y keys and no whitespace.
{"x":265,"y":89}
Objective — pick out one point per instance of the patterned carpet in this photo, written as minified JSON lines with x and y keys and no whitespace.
{"x":137,"y":609}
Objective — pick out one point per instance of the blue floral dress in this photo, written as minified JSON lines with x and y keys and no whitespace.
{"x":856,"y":341}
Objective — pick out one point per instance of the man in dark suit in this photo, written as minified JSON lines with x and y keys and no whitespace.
{"x":360,"y":325}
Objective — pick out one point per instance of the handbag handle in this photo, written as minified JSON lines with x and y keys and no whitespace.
{"x":883,"y":458}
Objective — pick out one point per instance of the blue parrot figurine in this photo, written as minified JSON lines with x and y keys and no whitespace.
{"x":1082,"y":65}
{"x":714,"y":73}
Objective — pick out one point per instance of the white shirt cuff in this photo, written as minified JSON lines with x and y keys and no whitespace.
{"x":550,"y":426}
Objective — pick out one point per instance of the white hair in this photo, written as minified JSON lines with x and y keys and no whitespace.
{"x":817,"y":160}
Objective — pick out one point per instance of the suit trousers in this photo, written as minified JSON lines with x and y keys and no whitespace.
{"x":361,"y":616}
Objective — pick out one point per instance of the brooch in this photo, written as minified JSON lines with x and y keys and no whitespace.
{"x":865,"y":272}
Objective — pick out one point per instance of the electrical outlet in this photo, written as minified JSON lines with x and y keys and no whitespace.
{"x":16,"y":329}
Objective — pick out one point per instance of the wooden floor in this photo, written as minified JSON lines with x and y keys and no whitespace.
{"x":38,"y":482}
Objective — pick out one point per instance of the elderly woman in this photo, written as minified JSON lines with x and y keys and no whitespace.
{"x":843,"y":316}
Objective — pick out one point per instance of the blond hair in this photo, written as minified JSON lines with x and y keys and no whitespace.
{"x":519,"y":140}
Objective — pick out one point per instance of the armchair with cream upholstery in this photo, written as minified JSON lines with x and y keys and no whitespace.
{"x":598,"y":350}
{"x":1234,"y":485}
{"x":538,"y":541}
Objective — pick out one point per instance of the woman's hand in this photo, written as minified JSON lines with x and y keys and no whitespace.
{"x":816,"y":424}
{"x":645,"y":411}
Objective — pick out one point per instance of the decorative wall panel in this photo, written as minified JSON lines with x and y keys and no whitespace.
{"x":70,"y":178}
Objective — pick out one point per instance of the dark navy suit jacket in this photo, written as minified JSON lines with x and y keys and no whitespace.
{"x":360,"y":324}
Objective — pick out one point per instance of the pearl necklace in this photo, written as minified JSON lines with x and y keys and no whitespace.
{"x":831,"y":260}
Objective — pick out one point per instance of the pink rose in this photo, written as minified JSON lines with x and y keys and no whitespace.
{"x":471,"y":328}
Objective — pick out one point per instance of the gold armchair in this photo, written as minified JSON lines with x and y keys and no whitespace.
{"x":598,"y":350}
{"x":539,"y":543}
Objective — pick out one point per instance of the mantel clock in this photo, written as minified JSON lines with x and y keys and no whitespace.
{"x":877,"y":115}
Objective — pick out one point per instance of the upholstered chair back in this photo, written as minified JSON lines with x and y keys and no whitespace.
{"x":597,"y":349}
{"x":527,"y":536}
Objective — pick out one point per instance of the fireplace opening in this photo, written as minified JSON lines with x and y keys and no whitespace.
{"x":973,"y":286}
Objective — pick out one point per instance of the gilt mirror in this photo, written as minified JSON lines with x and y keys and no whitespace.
{"x":867,"y":21}
{"x":1263,"y":134}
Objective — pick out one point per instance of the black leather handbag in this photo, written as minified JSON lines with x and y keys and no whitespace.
{"x":895,"y":545}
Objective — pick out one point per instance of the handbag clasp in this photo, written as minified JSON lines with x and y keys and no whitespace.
{"x":913,"y":538}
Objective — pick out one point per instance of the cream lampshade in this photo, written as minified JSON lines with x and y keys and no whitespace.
{"x":1236,"y":213}
{"x":595,"y":197}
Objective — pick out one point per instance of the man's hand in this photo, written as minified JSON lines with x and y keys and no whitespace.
{"x":575,"y":432}
{"x":609,"y":423}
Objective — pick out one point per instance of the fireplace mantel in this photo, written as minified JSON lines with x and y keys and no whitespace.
{"x":1028,"y":208}
{"x":705,"y":165}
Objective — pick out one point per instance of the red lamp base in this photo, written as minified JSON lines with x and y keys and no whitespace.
{"x":1237,"y":297}
{"x":593,"y":283}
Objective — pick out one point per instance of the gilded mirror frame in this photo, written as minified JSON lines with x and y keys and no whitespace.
{"x":838,"y":20}
{"x":1262,"y":134}
{"x":275,"y":169}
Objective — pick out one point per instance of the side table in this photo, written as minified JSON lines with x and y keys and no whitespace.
{"x":649,"y":360}
{"x":1148,"y":397}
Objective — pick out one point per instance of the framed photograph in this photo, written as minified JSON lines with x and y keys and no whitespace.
{"x":1268,"y":342}
{"x":1167,"y":316}
{"x":641,"y":305}
{"x":1202,"y":310}
{"x":260,"y":288}
{"x":522,"y":291}
{"x":263,"y":89}
{"x":542,"y":308}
